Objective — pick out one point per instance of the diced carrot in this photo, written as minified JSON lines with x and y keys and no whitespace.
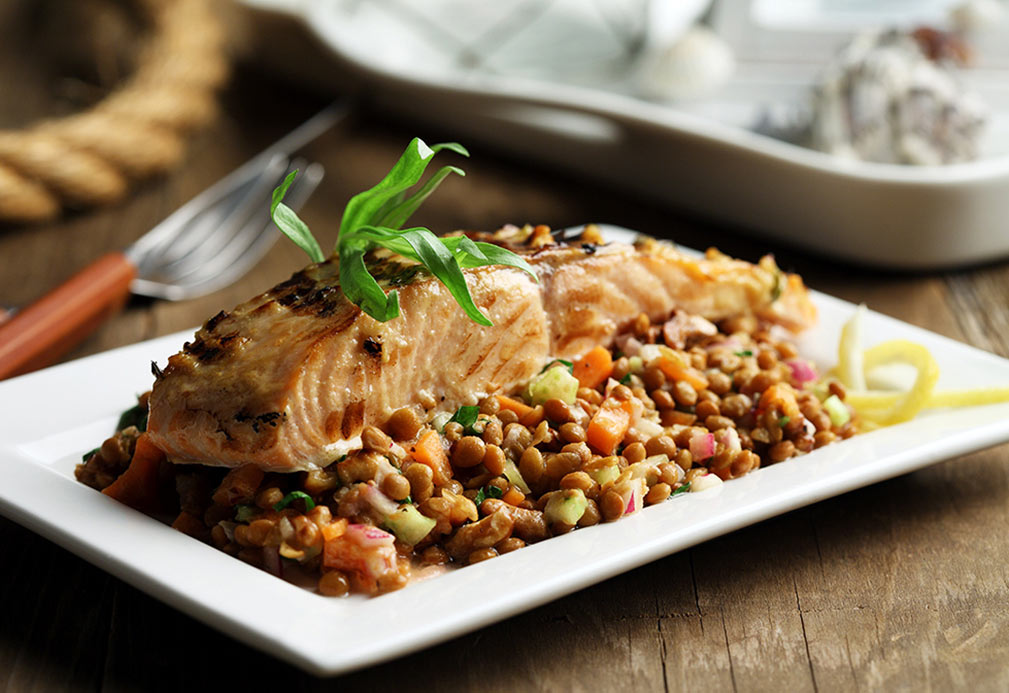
{"x":137,"y":487}
{"x":239,"y":485}
{"x":513,"y":496}
{"x":512,"y":404}
{"x":609,"y":425}
{"x":429,"y":450}
{"x":190,"y":524}
{"x":594,"y":368}
{"x":334,"y":529}
{"x":781,"y":398}
{"x":675,"y":369}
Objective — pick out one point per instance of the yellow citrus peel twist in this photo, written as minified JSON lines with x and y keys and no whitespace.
{"x":878,"y":408}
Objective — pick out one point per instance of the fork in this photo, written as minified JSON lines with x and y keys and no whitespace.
{"x":206,"y":244}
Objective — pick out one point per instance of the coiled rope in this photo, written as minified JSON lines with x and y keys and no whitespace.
{"x":90,"y":158}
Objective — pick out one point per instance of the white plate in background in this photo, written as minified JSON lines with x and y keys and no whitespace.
{"x":700,"y":157}
{"x":43,"y":436}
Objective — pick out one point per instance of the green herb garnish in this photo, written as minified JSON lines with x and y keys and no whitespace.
{"x":744,"y":352}
{"x":567,"y":364}
{"x":291,"y":497}
{"x":784,"y":420}
{"x":134,"y":416}
{"x":681,"y":489}
{"x":626,"y":379}
{"x":89,"y":453}
{"x":245,"y":512}
{"x":406,"y":501}
{"x":486,"y":492}
{"x":374,"y":219}
{"x":291,"y":224}
{"x":465,"y":417}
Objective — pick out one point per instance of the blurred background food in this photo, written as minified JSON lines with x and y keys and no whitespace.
{"x":894,"y":114}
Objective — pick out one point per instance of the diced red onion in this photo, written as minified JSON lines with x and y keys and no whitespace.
{"x":636,"y":497}
{"x":802,"y":371}
{"x":286,"y":529}
{"x":728,"y":438}
{"x":632,"y":493}
{"x":610,"y":384}
{"x":682,"y":327}
{"x":367,"y":535}
{"x":702,"y":446}
{"x":382,"y":504}
{"x":628,"y":344}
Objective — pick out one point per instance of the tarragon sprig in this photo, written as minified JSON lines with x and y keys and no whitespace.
{"x":375,"y":218}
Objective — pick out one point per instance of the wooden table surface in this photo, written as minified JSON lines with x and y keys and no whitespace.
{"x":903,"y":585}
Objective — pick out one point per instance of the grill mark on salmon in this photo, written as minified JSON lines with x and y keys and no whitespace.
{"x":288,"y":380}
{"x":504,"y":331}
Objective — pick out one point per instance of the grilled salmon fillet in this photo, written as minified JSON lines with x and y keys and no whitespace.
{"x":288,"y":380}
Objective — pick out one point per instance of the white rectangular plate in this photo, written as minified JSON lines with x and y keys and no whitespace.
{"x":51,"y":417}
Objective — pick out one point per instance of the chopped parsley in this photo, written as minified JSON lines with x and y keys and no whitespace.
{"x":486,"y":492}
{"x":88,"y":454}
{"x":745,"y":352}
{"x":681,"y":489}
{"x":784,"y":420}
{"x":564,"y":362}
{"x":291,"y":497}
{"x":626,"y":379}
{"x":244,"y":512}
{"x":466,"y":417}
{"x":134,"y":416}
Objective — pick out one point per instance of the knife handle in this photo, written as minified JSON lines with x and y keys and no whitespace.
{"x":39,"y":334}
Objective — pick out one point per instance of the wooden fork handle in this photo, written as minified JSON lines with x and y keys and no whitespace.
{"x":39,"y":334}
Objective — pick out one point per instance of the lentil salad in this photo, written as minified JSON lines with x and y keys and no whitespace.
{"x":668,"y":408}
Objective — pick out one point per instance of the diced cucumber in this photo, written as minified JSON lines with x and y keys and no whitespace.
{"x":604,"y":475}
{"x":245,"y":513}
{"x":821,"y":391}
{"x":439,"y":420}
{"x":513,"y":475}
{"x":556,"y":383}
{"x":839,"y":414}
{"x":566,"y":506}
{"x":409,"y":525}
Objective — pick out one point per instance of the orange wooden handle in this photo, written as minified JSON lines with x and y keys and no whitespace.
{"x":38,"y":335}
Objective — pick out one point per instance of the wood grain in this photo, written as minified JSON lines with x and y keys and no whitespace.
{"x":899,"y":586}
